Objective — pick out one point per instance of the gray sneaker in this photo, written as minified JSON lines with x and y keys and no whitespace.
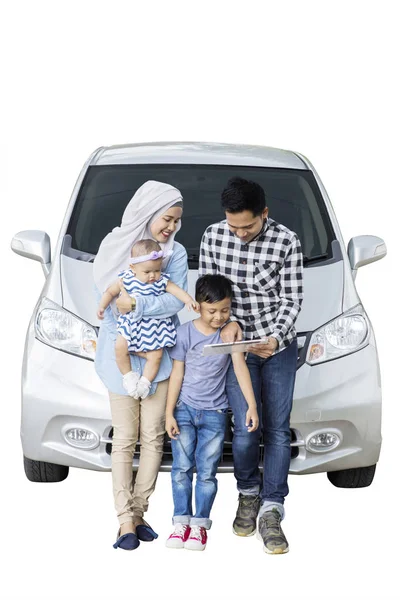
{"x":246,"y":515}
{"x":271,"y":534}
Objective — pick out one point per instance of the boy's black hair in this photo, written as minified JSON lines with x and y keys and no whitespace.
{"x":213,"y":288}
{"x":241,"y":194}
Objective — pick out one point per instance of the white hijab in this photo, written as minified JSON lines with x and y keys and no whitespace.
{"x":150,"y":201}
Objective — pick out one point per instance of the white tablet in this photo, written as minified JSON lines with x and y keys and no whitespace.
{"x":229,"y":347}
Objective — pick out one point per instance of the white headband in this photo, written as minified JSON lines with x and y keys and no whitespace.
{"x":152,"y":256}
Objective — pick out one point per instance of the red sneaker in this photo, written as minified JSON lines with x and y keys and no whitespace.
{"x":179,"y":536}
{"x":197,"y":539}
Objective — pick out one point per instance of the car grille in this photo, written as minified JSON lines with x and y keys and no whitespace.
{"x":226,"y":463}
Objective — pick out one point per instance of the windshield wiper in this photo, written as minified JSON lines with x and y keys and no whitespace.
{"x":308,"y":259}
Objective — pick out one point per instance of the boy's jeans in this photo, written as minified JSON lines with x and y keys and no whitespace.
{"x":273,"y":383}
{"x":199,"y":444}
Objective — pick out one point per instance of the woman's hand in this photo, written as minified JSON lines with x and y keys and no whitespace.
{"x":266,"y":349}
{"x":231,"y":332}
{"x":124,"y":301}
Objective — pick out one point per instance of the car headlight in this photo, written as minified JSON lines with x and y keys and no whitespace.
{"x":60,"y":329}
{"x":344,"y":335}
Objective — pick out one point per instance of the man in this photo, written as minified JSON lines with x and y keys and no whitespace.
{"x":263,"y":260}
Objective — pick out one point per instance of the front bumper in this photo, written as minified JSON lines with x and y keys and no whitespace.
{"x":60,"y":390}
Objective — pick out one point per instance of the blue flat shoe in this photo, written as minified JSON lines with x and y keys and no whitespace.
{"x":145,"y":533}
{"x":128,"y":541}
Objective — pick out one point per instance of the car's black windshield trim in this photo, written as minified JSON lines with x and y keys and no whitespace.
{"x":203,"y":176}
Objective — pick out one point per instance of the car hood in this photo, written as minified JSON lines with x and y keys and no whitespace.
{"x":323,"y":292}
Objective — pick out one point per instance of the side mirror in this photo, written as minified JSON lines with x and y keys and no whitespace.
{"x":35,"y":245}
{"x":365,"y":249}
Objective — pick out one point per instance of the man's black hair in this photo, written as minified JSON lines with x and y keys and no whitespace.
{"x":213,"y":288}
{"x":241,"y":194}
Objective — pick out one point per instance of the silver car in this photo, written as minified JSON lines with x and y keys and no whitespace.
{"x":336,"y":416}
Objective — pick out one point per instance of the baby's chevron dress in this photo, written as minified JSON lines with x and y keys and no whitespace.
{"x":146,"y":334}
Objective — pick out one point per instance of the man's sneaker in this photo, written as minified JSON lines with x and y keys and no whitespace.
{"x":179,"y":536}
{"x":271,"y":534}
{"x":130,"y":381}
{"x":197,"y":539}
{"x":246,"y":515}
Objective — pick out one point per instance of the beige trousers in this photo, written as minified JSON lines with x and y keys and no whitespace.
{"x":132,"y":490}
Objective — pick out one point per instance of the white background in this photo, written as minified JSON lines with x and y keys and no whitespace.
{"x":316,"y":77}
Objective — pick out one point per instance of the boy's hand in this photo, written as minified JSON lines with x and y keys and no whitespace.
{"x":252,"y":419}
{"x":171,"y":427}
{"x":100,"y":313}
{"x":193,"y":304}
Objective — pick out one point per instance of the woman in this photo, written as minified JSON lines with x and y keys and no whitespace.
{"x":154,"y":212}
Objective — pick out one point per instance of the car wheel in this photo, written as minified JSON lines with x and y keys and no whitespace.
{"x":43,"y":472}
{"x":353,"y":478}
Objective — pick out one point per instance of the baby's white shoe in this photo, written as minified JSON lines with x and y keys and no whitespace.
{"x":130,"y":381}
{"x":143,"y":388}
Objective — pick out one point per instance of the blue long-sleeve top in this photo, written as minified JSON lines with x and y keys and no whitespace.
{"x":157,"y":307}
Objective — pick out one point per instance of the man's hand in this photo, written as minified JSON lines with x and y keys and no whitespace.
{"x":171,"y":427}
{"x":252,"y":417}
{"x":124,"y":301}
{"x":266,"y":349}
{"x":231,"y":333}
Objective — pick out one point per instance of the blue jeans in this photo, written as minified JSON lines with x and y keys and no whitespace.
{"x":199,"y":445}
{"x":273,"y":383}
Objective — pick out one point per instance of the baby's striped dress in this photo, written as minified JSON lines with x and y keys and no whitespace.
{"x":146,"y":334}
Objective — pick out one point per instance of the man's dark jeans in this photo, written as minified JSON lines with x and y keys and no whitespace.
{"x":273,"y":383}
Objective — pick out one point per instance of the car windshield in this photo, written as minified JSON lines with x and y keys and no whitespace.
{"x":293,"y":198}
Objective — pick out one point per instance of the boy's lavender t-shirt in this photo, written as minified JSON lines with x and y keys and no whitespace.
{"x":203,"y":385}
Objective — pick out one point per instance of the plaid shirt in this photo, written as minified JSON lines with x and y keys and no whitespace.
{"x":267,"y":277}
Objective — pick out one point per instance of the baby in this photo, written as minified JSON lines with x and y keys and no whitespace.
{"x":147,"y":336}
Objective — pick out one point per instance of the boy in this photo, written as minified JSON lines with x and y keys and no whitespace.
{"x":196,"y":411}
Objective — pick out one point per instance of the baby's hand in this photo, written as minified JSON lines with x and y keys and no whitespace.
{"x":193,"y":304}
{"x":252,"y":419}
{"x":100,"y":313}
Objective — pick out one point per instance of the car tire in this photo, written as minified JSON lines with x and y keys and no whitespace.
{"x":43,"y":472}
{"x":352,"y":478}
